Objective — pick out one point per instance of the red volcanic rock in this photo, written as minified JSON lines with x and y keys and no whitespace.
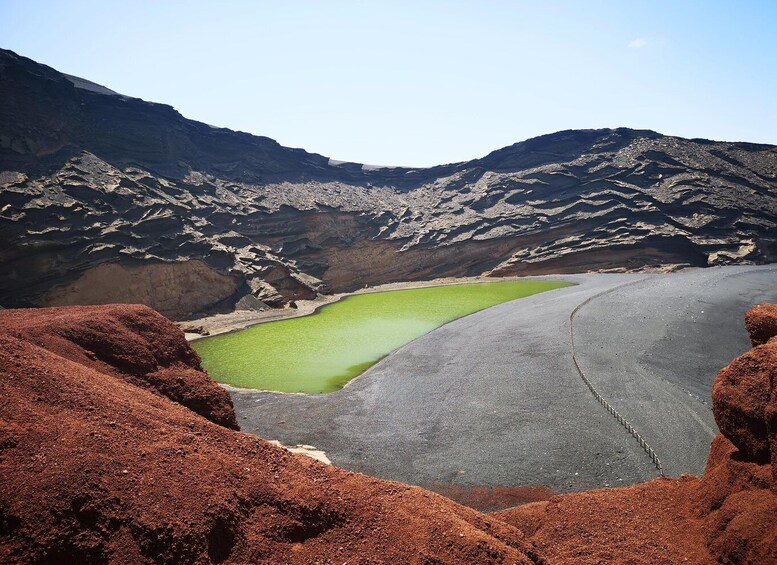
{"x":743,"y":529}
{"x":641,"y":525}
{"x":736,"y":501}
{"x":737,"y":504}
{"x":761,"y":323}
{"x":132,"y":342}
{"x":740,"y":396}
{"x":727,"y":473}
{"x":97,"y":469}
{"x":744,"y":396}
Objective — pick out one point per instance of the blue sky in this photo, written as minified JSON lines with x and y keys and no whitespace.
{"x":422,"y":83}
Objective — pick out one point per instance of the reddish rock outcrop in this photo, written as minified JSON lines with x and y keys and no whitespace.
{"x":131,"y":342}
{"x":736,"y":506}
{"x":99,"y":465}
{"x":745,"y":393}
{"x":740,"y":398}
{"x":644,"y":524}
{"x":761,"y":323}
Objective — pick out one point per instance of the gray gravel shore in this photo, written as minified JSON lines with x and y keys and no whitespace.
{"x":494,"y":399}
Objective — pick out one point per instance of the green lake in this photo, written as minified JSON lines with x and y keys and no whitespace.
{"x":320,"y":353}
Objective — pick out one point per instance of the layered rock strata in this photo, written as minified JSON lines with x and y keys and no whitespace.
{"x":90,"y":178}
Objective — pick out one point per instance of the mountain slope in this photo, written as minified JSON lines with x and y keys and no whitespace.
{"x":106,"y":198}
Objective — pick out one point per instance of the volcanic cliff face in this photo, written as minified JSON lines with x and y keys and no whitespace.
{"x":105,"y":198}
{"x":115,"y":447}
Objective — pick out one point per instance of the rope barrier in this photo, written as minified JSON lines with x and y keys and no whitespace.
{"x":617,"y":415}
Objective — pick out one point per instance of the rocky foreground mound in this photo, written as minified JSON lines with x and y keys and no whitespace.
{"x":103,"y":462}
{"x":115,"y":447}
{"x":106,"y":198}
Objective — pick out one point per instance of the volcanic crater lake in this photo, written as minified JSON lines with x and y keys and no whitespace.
{"x":321,"y":352}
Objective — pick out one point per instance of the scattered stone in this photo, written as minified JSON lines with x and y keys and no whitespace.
{"x":250,"y":302}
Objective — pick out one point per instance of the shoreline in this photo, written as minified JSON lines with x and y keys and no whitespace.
{"x":218,"y":324}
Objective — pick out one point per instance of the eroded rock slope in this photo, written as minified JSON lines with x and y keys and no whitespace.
{"x":89,"y":177}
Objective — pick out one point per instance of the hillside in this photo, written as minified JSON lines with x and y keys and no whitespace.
{"x":106,"y":198}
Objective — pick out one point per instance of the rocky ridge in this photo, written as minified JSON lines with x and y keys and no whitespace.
{"x":90,"y":178}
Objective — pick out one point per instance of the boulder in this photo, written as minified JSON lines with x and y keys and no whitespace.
{"x":761,"y":323}
{"x":250,"y":302}
{"x":740,"y":396}
{"x":266,"y":293}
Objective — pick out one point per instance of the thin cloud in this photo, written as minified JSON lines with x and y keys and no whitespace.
{"x":637,"y":43}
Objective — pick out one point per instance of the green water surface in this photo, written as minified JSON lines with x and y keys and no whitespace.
{"x":322,"y":352}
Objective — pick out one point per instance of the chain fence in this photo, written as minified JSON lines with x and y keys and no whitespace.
{"x":607,"y":406}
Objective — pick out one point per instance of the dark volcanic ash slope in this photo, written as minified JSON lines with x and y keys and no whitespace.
{"x":107,"y":198}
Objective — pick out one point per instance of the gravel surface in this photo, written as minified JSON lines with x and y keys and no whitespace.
{"x":494,"y":399}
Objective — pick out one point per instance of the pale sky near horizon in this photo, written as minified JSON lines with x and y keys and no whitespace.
{"x":422,"y":83}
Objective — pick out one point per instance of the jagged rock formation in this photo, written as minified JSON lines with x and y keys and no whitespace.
{"x":89,"y":177}
{"x":103,"y":462}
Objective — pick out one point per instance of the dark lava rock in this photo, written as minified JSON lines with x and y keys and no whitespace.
{"x":89,"y":177}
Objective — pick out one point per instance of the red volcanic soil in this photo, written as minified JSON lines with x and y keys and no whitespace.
{"x":133,"y":343}
{"x":490,"y":498}
{"x":100,"y":465}
{"x":116,"y":447}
